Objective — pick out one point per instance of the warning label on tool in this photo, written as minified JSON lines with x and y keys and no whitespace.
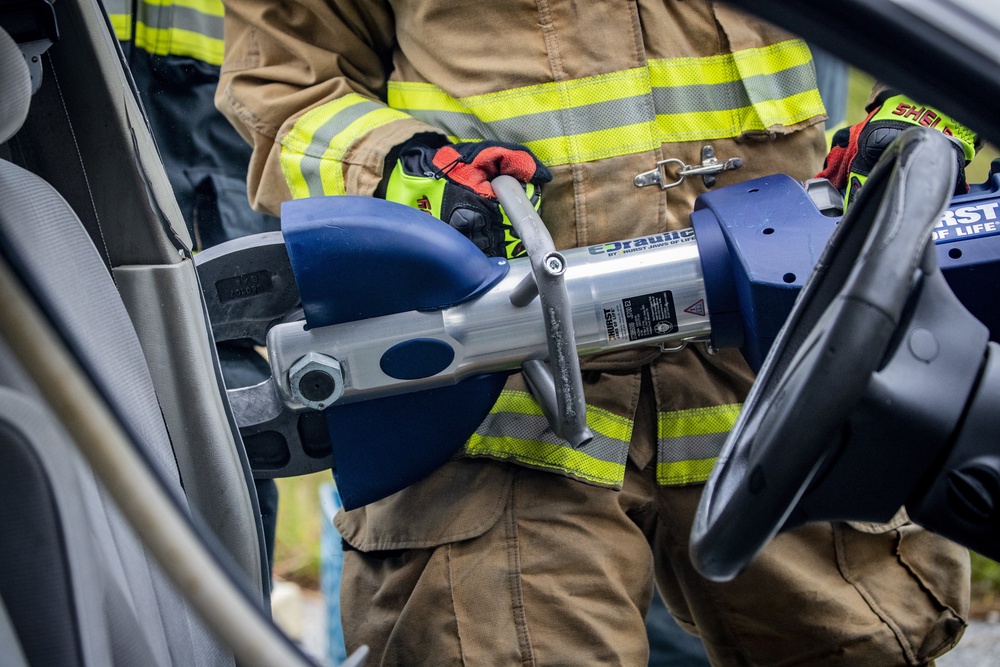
{"x":639,"y":317}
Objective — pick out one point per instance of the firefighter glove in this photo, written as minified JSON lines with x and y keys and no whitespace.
{"x":856,"y":149}
{"x":452,"y":182}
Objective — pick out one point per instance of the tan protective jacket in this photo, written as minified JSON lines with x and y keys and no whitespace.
{"x":599,"y":91}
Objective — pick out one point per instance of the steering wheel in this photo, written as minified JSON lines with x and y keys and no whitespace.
{"x":824,"y":357}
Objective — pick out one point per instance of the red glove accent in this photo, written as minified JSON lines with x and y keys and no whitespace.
{"x":474,"y":165}
{"x":837,"y":165}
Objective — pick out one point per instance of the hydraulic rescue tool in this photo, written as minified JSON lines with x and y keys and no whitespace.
{"x":390,"y":335}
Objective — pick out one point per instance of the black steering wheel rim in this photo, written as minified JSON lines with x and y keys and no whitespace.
{"x":824,"y":356}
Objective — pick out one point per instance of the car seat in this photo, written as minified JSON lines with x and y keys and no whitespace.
{"x":77,"y":587}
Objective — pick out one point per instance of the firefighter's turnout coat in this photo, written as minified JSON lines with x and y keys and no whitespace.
{"x":599,"y":91}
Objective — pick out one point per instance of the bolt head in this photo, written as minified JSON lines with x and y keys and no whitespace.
{"x":554,"y":264}
{"x":316,"y":380}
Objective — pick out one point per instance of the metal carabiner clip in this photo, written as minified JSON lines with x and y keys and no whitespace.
{"x":709,"y":167}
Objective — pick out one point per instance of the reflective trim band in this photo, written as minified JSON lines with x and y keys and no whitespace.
{"x":188,"y":28}
{"x":631,"y":111}
{"x":704,"y":125}
{"x":689,"y":441}
{"x":613,"y":113}
{"x":178,"y":42}
{"x":312,"y":152}
{"x":517,"y":430}
{"x":122,"y":24}
{"x":685,"y":472}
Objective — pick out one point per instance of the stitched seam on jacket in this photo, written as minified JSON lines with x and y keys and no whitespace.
{"x":454,"y":605}
{"x":514,"y":579}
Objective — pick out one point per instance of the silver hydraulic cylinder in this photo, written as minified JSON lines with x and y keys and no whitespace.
{"x":646,"y":291}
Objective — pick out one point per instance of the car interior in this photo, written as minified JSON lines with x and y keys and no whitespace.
{"x":96,"y":240}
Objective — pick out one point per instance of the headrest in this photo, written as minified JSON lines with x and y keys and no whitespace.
{"x":15,"y":87}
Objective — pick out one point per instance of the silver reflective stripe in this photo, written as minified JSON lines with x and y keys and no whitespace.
{"x":690,"y":441}
{"x":206,"y":20}
{"x":734,"y":94}
{"x":540,"y":125}
{"x":117,"y":6}
{"x":691,"y":447}
{"x":792,"y":81}
{"x":530,"y":427}
{"x":517,"y":431}
{"x":321,"y":144}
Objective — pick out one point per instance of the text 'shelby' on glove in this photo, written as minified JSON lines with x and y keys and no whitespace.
{"x":856,"y":149}
{"x":452,"y":182}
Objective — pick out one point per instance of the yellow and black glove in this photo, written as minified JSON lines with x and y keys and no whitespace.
{"x":452,"y":182}
{"x":856,"y":149}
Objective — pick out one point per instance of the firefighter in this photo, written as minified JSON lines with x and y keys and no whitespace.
{"x":522,"y":549}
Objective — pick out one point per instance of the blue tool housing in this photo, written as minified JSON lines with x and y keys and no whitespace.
{"x":359,"y":257}
{"x":967,"y":240}
{"x":760,"y":239}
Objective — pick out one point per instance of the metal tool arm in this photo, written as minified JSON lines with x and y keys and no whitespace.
{"x":557,"y":387}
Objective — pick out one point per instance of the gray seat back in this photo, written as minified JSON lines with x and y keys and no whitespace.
{"x":87,"y":137}
{"x":76,"y":583}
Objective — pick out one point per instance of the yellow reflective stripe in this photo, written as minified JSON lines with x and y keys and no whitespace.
{"x":122,"y":24}
{"x":210,"y":7}
{"x":415,"y":96}
{"x":520,"y":402}
{"x":179,"y":42}
{"x":727,"y":67}
{"x":600,"y":421}
{"x":517,"y":430}
{"x":689,"y":441}
{"x":596,"y":145}
{"x":698,"y":421}
{"x":700,"y":125}
{"x":709,"y":70}
{"x":517,"y":102}
{"x":631,"y":111}
{"x":539,"y":454}
{"x":788,"y":110}
{"x":609,"y":424}
{"x":772,"y":58}
{"x":312,"y":152}
{"x":684,"y":472}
